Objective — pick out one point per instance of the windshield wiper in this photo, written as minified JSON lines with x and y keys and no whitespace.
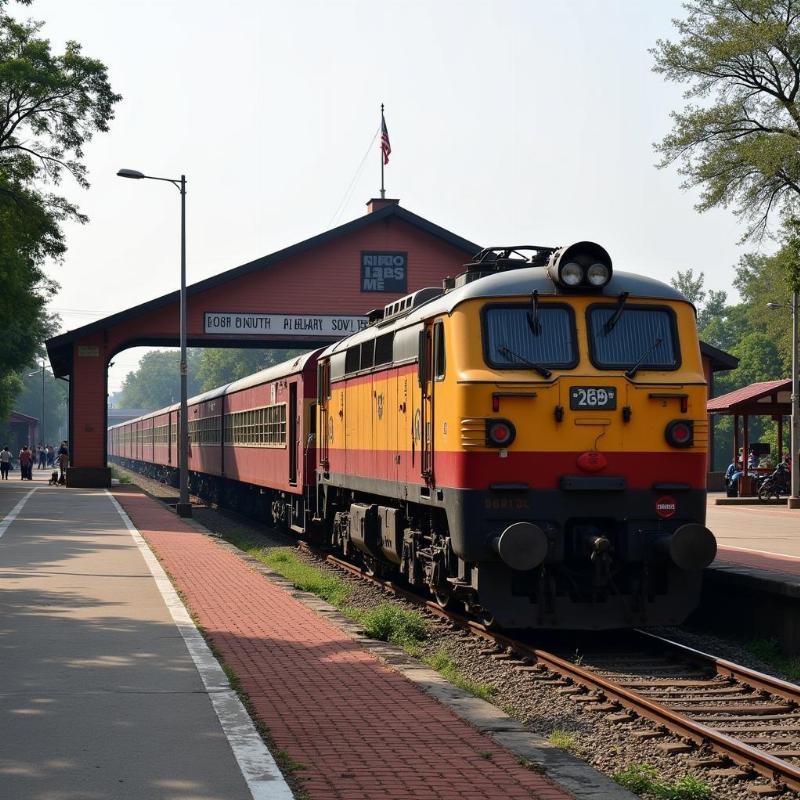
{"x":543,"y":371}
{"x":533,"y":314}
{"x":635,"y":368}
{"x":612,"y":321}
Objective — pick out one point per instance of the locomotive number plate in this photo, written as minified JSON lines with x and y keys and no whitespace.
{"x":590,"y":398}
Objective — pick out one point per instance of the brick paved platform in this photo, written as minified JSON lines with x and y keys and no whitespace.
{"x":360,"y":729}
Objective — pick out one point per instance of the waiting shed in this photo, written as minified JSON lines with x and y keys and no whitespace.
{"x":767,"y":398}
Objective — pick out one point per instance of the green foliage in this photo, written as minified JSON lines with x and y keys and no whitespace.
{"x":156,"y":382}
{"x":29,"y":401}
{"x":689,"y":286}
{"x":218,"y":366}
{"x":643,"y":779}
{"x":50,"y":106}
{"x":566,"y":740}
{"x":737,"y":137}
{"x":445,"y":666}
{"x":306,"y":577}
{"x":769,"y":651}
{"x":390,"y":623}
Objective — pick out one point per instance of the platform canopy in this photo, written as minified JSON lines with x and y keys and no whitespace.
{"x":767,"y":397}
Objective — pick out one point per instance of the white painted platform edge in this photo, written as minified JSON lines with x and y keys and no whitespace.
{"x":258,"y":767}
{"x":12,"y":515}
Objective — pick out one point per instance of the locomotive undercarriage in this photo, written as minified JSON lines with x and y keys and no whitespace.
{"x":597,"y":571}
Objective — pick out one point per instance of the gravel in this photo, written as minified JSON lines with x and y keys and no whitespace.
{"x":609,"y":747}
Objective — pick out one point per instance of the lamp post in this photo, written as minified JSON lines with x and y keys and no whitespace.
{"x":183,"y":508}
{"x":794,"y":498}
{"x":41,"y":426}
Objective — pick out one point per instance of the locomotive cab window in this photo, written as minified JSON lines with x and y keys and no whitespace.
{"x":519,"y":336}
{"x":635,"y":337}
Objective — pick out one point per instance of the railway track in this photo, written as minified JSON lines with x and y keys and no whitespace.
{"x":748,"y":722}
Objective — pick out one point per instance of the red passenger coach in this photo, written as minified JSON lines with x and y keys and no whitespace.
{"x":252,"y":443}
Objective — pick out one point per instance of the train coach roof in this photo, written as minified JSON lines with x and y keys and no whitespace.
{"x":513,"y":283}
{"x":282,"y":370}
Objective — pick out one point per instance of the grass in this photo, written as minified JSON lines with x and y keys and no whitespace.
{"x":566,"y":740}
{"x":329,"y":587}
{"x":121,"y":477}
{"x":769,"y":651}
{"x":446,"y":667}
{"x":643,"y":779}
{"x":390,"y":623}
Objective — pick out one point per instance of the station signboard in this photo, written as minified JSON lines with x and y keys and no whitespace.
{"x":328,"y":326}
{"x":384,"y":272}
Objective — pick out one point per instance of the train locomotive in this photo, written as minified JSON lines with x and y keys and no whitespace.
{"x":529,"y":440}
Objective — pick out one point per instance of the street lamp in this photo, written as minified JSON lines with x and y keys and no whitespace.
{"x":184,"y":508}
{"x":794,"y":498}
{"x":41,"y":426}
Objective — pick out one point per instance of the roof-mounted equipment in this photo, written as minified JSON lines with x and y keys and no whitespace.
{"x":581,"y":266}
{"x":405,"y":304}
{"x":500,"y":259}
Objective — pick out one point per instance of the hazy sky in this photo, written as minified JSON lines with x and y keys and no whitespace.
{"x":510,"y":122}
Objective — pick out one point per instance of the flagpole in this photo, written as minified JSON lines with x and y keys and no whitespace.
{"x":383,"y":190}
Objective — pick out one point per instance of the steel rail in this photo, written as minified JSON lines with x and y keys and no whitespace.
{"x":756,"y":680}
{"x":751,"y":759}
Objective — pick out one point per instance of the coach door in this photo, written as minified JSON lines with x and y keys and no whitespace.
{"x":292,"y":432}
{"x":426,"y":410}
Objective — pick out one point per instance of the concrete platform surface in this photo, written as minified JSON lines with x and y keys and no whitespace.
{"x":763,"y":536}
{"x":99,"y":696}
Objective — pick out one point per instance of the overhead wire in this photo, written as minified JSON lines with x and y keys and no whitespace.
{"x":348,"y":192}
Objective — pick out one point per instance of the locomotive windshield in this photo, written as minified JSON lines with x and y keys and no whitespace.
{"x":643,"y":337}
{"x":513,"y":340}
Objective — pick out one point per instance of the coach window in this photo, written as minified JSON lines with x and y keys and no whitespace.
{"x":438,"y":351}
{"x":352,"y":359}
{"x":368,"y":354}
{"x":383,"y":349}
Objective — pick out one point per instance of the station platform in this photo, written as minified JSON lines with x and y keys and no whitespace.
{"x":753,"y":587}
{"x":109,"y":691}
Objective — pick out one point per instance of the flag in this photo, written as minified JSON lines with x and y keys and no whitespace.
{"x":386,"y":148}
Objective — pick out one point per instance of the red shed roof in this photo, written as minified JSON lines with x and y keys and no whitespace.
{"x":757,"y":398}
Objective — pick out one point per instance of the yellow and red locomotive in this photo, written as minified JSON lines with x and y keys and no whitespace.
{"x":529,"y":440}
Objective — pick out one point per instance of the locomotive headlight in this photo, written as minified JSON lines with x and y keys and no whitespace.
{"x":598,"y":274}
{"x":580,"y":267}
{"x":572,"y":273}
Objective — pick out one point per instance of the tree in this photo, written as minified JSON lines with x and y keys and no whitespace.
{"x":739,"y":146}
{"x":29,"y":401}
{"x":50,"y":106}
{"x":689,"y":286}
{"x":219,"y":366}
{"x":156,"y":382}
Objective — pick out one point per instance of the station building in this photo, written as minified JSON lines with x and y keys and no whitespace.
{"x":306,"y":295}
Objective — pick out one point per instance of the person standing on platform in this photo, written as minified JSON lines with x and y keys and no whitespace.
{"x":63,"y":463}
{"x":42,"y":456}
{"x":51,"y":455}
{"x":26,"y":463}
{"x":5,"y":462}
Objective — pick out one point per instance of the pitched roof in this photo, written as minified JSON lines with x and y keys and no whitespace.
{"x":56,"y":346}
{"x":742,"y":400}
{"x":720,"y":360}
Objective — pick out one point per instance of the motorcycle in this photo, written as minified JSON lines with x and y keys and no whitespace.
{"x":775,"y":485}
